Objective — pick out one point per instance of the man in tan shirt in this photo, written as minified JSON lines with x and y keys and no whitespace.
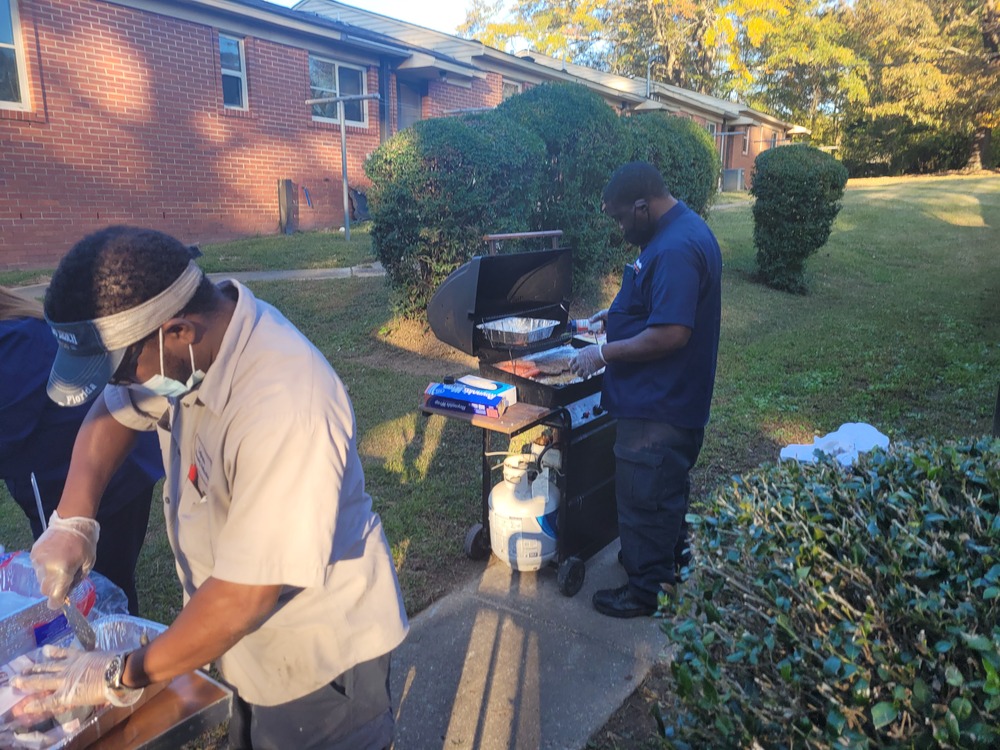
{"x":287,"y":575}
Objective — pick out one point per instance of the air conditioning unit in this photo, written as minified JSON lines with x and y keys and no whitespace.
{"x":732,"y":181}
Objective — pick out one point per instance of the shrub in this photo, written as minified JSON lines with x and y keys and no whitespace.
{"x":684,"y":153}
{"x":894,"y":145}
{"x":437,"y":188}
{"x":585,"y":142}
{"x":934,"y":151}
{"x":798,"y":190}
{"x":846,"y":608}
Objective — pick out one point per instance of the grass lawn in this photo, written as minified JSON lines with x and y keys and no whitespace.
{"x":901,"y":330}
{"x":321,"y":249}
{"x":324,"y":249}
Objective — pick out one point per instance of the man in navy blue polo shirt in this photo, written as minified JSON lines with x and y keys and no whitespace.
{"x":659,"y":360}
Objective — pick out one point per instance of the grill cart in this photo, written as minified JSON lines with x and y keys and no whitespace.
{"x":512,"y":312}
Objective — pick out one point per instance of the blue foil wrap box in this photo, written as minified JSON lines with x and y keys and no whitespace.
{"x":466,"y":399}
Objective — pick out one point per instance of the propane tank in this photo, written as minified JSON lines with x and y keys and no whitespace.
{"x":524,"y":508}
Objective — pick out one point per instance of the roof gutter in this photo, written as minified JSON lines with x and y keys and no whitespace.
{"x":274,"y":19}
{"x":539,"y":70}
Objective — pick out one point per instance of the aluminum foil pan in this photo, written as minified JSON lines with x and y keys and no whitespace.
{"x":80,"y":727}
{"x":517,"y":331}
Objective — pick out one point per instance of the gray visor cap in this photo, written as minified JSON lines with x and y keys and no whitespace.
{"x":91,"y":350}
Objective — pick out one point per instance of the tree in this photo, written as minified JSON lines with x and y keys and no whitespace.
{"x":900,"y":40}
{"x":478,"y":18}
{"x":933,"y":63}
{"x":806,"y":71}
{"x":694,"y":44}
{"x":897,"y":75}
{"x":971,"y":59}
{"x":566,"y":29}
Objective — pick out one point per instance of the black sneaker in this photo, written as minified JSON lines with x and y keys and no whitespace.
{"x":619,"y":602}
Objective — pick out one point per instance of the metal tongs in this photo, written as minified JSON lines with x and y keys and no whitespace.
{"x":81,"y":628}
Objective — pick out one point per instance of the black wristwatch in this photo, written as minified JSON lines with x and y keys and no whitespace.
{"x":115,"y":671}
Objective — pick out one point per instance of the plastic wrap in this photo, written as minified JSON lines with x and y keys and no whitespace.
{"x":124,"y":632}
{"x":111,"y":599}
{"x":26,"y":622}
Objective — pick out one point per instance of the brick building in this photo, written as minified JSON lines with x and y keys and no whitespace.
{"x":184,"y":115}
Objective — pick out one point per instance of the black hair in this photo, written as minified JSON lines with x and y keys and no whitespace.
{"x":634,"y":181}
{"x":116,"y":269}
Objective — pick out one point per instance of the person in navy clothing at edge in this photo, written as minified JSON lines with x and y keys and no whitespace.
{"x":37,"y":436}
{"x":659,"y":372}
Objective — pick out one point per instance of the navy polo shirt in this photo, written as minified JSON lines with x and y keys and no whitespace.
{"x":37,"y":435}
{"x":676,"y":280}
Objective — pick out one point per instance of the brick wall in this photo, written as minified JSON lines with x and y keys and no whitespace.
{"x":127,"y":126}
{"x":444,"y":98}
{"x":739,"y":160}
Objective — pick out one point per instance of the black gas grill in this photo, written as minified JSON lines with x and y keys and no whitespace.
{"x":533,"y":289}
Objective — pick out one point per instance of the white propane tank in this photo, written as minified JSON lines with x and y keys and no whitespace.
{"x":524,"y":508}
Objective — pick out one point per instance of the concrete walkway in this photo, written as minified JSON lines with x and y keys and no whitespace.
{"x":507,"y":662}
{"x":37,"y":291}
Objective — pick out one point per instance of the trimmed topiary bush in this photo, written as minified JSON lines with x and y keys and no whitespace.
{"x":437,"y":188}
{"x":846,"y":608}
{"x":798,"y":190}
{"x":684,"y":153}
{"x":585,"y":142}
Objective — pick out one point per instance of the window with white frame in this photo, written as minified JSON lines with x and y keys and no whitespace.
{"x":746,"y":140}
{"x":510,"y":88}
{"x":234,"y":72}
{"x":774,"y":138}
{"x":13,"y":82}
{"x":711,"y":128}
{"x":328,"y":78}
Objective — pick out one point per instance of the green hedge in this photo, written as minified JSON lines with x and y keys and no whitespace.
{"x":539,"y":161}
{"x":895,"y":145}
{"x":684,"y":153}
{"x":798,"y":190}
{"x":441,"y":185}
{"x":834,"y":608}
{"x":585,"y":142}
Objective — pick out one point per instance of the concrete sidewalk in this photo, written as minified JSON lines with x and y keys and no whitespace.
{"x":508,"y":662}
{"x":37,"y":291}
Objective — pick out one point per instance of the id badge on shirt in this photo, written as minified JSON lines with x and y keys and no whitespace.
{"x":200,"y":468}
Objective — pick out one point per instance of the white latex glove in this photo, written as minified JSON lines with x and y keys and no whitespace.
{"x":67,"y":678}
{"x":587,"y":361}
{"x":64,"y":554}
{"x":601,"y":317}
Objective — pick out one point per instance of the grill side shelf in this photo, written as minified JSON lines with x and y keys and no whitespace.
{"x":517,"y":418}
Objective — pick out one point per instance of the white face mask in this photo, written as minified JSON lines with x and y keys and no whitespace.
{"x":161,"y":385}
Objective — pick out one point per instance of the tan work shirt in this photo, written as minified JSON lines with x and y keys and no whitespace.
{"x":264,"y":486}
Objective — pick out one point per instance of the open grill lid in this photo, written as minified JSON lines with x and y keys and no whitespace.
{"x":536,"y":284}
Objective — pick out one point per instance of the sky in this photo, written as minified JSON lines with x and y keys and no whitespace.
{"x":441,"y":15}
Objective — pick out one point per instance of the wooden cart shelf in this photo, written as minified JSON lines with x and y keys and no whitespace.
{"x":518,"y":418}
